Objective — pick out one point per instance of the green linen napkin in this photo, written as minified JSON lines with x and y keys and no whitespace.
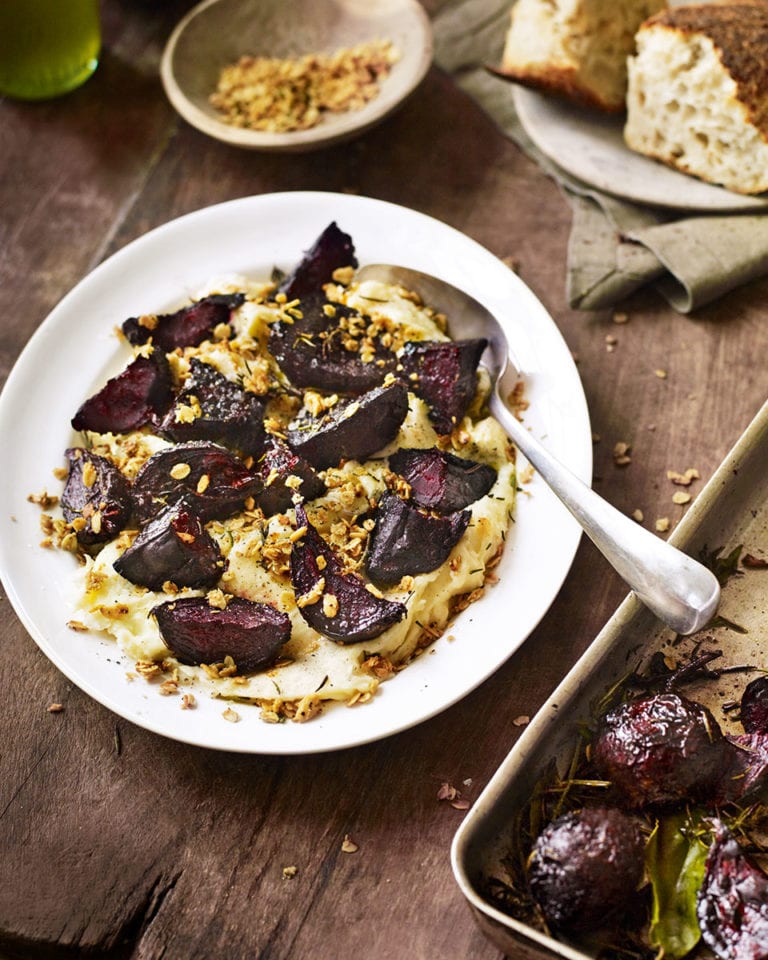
{"x":615,"y":247}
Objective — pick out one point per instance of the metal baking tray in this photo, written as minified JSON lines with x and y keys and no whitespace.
{"x":730,"y":511}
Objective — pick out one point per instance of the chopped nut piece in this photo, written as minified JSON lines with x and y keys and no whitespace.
{"x":348,"y":845}
{"x":521,"y":721}
{"x":231,"y":715}
{"x":289,"y":872}
{"x":681,"y":497}
{"x":638,"y":515}
{"x":683,"y":479}
{"x":188,"y":701}
{"x":621,"y":455}
{"x":661,"y":374}
{"x":55,"y":708}
{"x":662,"y":524}
{"x":621,"y":318}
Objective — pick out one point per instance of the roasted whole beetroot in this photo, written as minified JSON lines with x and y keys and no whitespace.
{"x":407,"y":541}
{"x":311,"y":351}
{"x":249,"y":632}
{"x":444,"y":373}
{"x":335,"y":603}
{"x":139,"y":394}
{"x":211,"y":478}
{"x":186,"y":327}
{"x":732,"y":904}
{"x":585,"y":867}
{"x":442,"y":481}
{"x":172,"y":547}
{"x":663,"y":748}
{"x":96,"y":492}
{"x":332,"y":249}
{"x":279,"y":463}
{"x":209,"y":406}
{"x":351,"y":429}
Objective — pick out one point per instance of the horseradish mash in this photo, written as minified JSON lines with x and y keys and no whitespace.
{"x":256,"y":548}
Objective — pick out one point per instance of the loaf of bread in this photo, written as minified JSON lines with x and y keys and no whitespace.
{"x":698,"y":93}
{"x":575,"y":48}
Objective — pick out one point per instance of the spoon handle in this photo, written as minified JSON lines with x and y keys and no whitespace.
{"x":680,"y":591}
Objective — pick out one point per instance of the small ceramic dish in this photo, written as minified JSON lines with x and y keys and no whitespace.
{"x":218,"y":32}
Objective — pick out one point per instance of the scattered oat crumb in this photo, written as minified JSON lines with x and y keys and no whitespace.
{"x":526,"y":474}
{"x":168,"y":688}
{"x":662,"y":524}
{"x":231,"y":715}
{"x":289,"y":872}
{"x":610,"y":342}
{"x":621,"y":318}
{"x":512,"y":263}
{"x":77,"y":626}
{"x":467,"y":782}
{"x":348,"y":845}
{"x":56,"y":708}
{"x":521,"y":721}
{"x":188,"y":701}
{"x":661,"y":374}
{"x":681,"y":497}
{"x":638,"y":515}
{"x":683,"y":479}
{"x":447,"y":792}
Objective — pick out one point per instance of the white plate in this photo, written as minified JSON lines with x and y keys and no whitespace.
{"x":75,"y":349}
{"x":590,"y":146}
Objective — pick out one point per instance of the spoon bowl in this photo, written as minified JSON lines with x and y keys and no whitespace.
{"x":679,"y":590}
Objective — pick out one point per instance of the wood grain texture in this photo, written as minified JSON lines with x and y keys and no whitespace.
{"x":117,"y":843}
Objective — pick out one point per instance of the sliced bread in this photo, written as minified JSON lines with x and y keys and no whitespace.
{"x":575,"y":48}
{"x":698,"y":93}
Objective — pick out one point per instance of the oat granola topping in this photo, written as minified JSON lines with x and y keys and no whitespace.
{"x":278,"y":95}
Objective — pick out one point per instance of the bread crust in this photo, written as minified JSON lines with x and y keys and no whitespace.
{"x":739,"y":32}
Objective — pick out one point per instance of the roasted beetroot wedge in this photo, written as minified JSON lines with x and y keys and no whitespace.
{"x":214,"y":481}
{"x":249,"y":632}
{"x":186,"y":327}
{"x":732,"y":904}
{"x":335,"y":603}
{"x":407,"y":541}
{"x":442,"y":481}
{"x":445,"y":376}
{"x":175,"y":547}
{"x":311,"y":351}
{"x":332,"y":249}
{"x":277,"y":466}
{"x":95,"y":491}
{"x":352,"y":429}
{"x":212,"y":407}
{"x":138,"y":395}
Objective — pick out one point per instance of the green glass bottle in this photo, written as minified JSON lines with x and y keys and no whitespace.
{"x":47,"y":47}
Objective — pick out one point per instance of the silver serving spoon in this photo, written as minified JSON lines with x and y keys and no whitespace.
{"x":681,"y":592}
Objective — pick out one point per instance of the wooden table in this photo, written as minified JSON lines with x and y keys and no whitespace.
{"x":119,"y":843}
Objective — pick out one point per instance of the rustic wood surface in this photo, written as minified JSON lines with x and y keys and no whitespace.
{"x":115,"y":842}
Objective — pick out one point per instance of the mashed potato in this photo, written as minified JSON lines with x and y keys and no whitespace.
{"x":312,"y":668}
